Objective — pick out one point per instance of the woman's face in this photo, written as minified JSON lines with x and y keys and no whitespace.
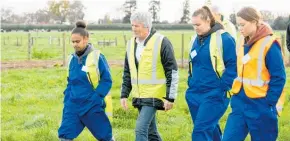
{"x":79,"y":42}
{"x":246,"y":28}
{"x":200,"y":25}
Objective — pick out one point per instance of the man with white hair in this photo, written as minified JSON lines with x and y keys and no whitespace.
{"x":228,"y":25}
{"x":150,"y":74}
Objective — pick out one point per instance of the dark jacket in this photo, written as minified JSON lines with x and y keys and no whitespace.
{"x":288,"y":37}
{"x":170,"y":67}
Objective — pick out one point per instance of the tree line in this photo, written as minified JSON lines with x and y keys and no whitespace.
{"x":67,"y":12}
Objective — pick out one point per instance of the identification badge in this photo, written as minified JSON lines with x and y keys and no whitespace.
{"x":85,"y":68}
{"x":246,"y":59}
{"x":193,"y":54}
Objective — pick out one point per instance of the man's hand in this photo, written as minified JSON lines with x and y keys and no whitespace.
{"x":167,"y":105}
{"x":124,"y":103}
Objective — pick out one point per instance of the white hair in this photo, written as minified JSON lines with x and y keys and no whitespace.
{"x":144,"y":18}
{"x":216,"y":9}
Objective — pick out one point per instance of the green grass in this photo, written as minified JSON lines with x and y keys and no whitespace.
{"x":31,"y":104}
{"x":43,"y":50}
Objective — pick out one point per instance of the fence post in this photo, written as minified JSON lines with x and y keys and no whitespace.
{"x":49,"y":40}
{"x":64,"y":49}
{"x":116,"y":41}
{"x":17,"y":42}
{"x":125,"y":40}
{"x":182,"y":50}
{"x":104,"y":42}
{"x":4,"y":40}
{"x":29,"y":46}
{"x":32,"y":41}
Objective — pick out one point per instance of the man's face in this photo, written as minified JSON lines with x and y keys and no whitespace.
{"x":139,"y":30}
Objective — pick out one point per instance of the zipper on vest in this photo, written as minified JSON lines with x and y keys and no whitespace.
{"x":138,"y":83}
{"x":90,"y":80}
{"x":216,"y":67}
{"x":242,"y":77}
{"x":190,"y":71}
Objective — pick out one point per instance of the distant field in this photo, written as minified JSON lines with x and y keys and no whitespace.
{"x":31,"y":103}
{"x":46,"y":48}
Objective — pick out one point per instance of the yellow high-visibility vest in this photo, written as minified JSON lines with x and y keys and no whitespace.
{"x":230,"y":28}
{"x":93,"y":75}
{"x":253,"y":74}
{"x":149,"y":81}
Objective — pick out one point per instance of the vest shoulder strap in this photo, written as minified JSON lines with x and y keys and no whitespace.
{"x":92,"y":63}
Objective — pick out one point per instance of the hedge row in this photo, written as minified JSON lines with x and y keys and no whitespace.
{"x":16,"y":27}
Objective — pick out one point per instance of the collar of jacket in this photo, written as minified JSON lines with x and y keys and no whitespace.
{"x":88,"y":49}
{"x":215,"y":28}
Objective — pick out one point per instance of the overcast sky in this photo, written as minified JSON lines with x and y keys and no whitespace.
{"x":171,"y":10}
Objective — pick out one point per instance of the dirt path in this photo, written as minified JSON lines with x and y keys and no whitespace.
{"x":48,"y":64}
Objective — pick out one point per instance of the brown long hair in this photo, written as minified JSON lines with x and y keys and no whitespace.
{"x":250,"y":14}
{"x":205,"y":13}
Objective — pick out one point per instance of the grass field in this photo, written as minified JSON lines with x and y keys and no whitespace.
{"x":32,"y":108}
{"x":43,"y":50}
{"x":31,"y":99}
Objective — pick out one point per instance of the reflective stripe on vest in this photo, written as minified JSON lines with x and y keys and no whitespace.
{"x":156,"y":52}
{"x":257,"y":82}
{"x":258,"y":87}
{"x":149,"y":80}
{"x":216,"y":52}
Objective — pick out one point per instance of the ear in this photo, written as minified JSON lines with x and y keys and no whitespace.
{"x":255,"y":22}
{"x":86,"y":39}
{"x":208,"y":20}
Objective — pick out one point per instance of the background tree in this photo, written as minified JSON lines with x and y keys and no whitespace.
{"x":6,"y":15}
{"x":233,"y":18}
{"x":129,"y":7}
{"x":267,"y":16}
{"x":60,"y":9}
{"x":186,"y":13}
{"x":154,"y":8}
{"x":76,"y":11}
{"x":280,"y":23}
{"x":42,"y":16}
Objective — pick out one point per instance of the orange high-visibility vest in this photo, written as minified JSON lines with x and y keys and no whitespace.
{"x":253,"y":74}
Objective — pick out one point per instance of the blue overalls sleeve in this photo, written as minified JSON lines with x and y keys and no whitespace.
{"x":275,"y":66}
{"x":105,"y":82}
{"x":230,"y":61}
{"x":67,"y":89}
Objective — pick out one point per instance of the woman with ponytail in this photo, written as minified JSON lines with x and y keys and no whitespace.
{"x":212,"y":69}
{"x":88,"y":83}
{"x":258,"y":89}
